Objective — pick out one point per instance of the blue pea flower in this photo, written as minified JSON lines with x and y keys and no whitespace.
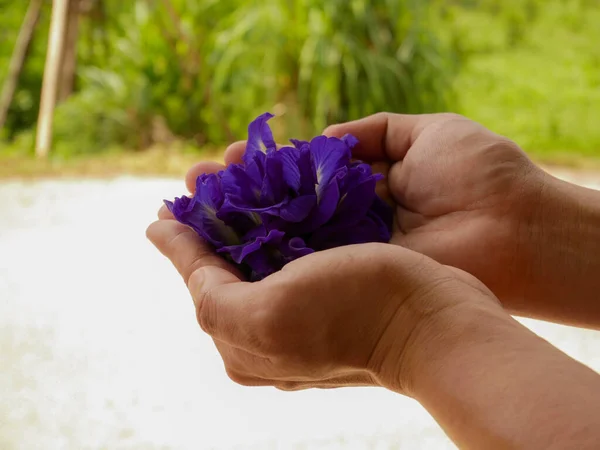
{"x":282,"y":204}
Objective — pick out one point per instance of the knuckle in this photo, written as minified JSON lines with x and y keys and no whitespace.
{"x":382,"y":115}
{"x":202,"y":258}
{"x":153,"y":229}
{"x":238,"y":378}
{"x":195,"y":281}
{"x":205,"y":312}
{"x":330,"y":129}
{"x":450,"y":116}
{"x":288,"y":386}
{"x":182,"y":234}
{"x":506,"y":143}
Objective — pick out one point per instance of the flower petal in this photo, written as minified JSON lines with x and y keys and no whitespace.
{"x":294,"y":248}
{"x":208,"y":190}
{"x":324,"y":210}
{"x":350,"y":141}
{"x":328,"y":202}
{"x":283,"y":204}
{"x":260,"y":137}
{"x":356,"y":172}
{"x":274,"y":188}
{"x":240,"y":219}
{"x":291,"y":173}
{"x":297,"y":209}
{"x":329,"y":155}
{"x":383,"y":215}
{"x":366,"y":230}
{"x":240,"y":252}
{"x":300,"y":145}
{"x":202,"y":218}
{"x":238,"y":184}
{"x":308,"y":181}
{"x":255,"y":166}
{"x":358,"y":199}
{"x":259,"y":252}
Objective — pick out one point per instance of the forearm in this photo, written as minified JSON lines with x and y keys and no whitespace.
{"x":562,"y":257}
{"x":493,"y":384}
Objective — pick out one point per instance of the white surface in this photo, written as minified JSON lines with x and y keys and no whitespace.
{"x":99,"y":348}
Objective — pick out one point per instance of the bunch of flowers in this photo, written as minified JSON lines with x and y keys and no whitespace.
{"x":282,"y":204}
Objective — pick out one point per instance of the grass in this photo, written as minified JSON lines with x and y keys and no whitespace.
{"x":154,"y":162}
{"x":159,"y":161}
{"x":540,"y":88}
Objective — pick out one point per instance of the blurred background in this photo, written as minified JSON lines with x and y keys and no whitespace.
{"x":190,"y":74}
{"x":106,"y":103}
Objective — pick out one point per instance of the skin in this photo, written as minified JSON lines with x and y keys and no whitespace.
{"x":387,"y":315}
{"x":472,"y":199}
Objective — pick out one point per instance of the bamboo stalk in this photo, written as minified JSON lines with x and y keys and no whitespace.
{"x":52,"y":71}
{"x":69,"y":57}
{"x":19,"y":55}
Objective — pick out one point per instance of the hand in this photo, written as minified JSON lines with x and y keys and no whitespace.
{"x":464,"y":195}
{"x":355,"y":315}
{"x":472,"y":199}
{"x":382,"y":315}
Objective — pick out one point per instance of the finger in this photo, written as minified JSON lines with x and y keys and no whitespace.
{"x":409,"y":221}
{"x":227,"y":309}
{"x":247,"y":380}
{"x":398,"y":181}
{"x":164,"y":213}
{"x":243,"y":362}
{"x":291,"y":386}
{"x":184,"y":248}
{"x":233,"y":153}
{"x":199,"y":169}
{"x":253,"y":370}
{"x":208,"y":277}
{"x":429,"y":198}
{"x":358,"y":379}
{"x":383,"y":135}
{"x":254,"y":366}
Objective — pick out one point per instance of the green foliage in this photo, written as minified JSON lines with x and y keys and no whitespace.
{"x":531,"y":71}
{"x":202,"y":70}
{"x":24,"y":108}
{"x":339,"y":59}
{"x":158,"y":71}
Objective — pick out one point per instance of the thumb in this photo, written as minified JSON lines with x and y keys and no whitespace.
{"x":224,"y":305}
{"x":207,"y":278}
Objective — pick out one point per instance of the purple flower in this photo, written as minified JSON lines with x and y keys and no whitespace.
{"x":280,"y":205}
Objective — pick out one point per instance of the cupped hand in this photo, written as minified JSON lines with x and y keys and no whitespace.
{"x":354,"y":315}
{"x":464,"y":196}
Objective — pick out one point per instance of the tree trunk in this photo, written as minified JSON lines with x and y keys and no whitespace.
{"x":18,"y":57}
{"x":69,"y":64}
{"x":51,"y":77}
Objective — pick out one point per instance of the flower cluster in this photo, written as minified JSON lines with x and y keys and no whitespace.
{"x":281,"y":204}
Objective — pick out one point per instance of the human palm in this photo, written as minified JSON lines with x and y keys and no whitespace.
{"x":463,"y":194}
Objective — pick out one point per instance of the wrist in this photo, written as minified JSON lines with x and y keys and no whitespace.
{"x":449,"y":333}
{"x":450,"y":338}
{"x":427,"y":327}
{"x":492,"y":383}
{"x":560,"y":255}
